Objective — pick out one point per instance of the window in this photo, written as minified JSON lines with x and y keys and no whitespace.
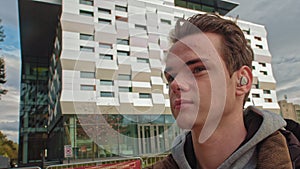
{"x":263,"y":64}
{"x":102,"y":10}
{"x":106,"y":56}
{"x":122,"y":53}
{"x":125,"y":89}
{"x":259,"y":46}
{"x":142,"y":27}
{"x":145,"y":95}
{"x":255,"y":95}
{"x":123,"y":41}
{"x":247,"y":31}
{"x":123,"y":19}
{"x":86,"y":37}
{"x":253,"y":67}
{"x":86,"y":13}
{"x":121,"y":8}
{"x":257,"y":38}
{"x":105,"y":45}
{"x":205,"y":8}
{"x":264,"y":72}
{"x":165,"y":21}
{"x":107,"y":82}
{"x":142,"y":60}
{"x":107,"y":94}
{"x":87,"y":2}
{"x":268,"y":100}
{"x":124,"y":77}
{"x":87,"y":74}
{"x":86,"y":49}
{"x":104,"y":21}
{"x":87,"y":87}
{"x":267,"y":91}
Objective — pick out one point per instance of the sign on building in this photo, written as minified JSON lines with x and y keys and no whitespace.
{"x":68,"y":151}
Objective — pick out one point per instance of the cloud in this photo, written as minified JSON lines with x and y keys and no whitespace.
{"x":9,"y":103}
{"x":13,"y":66}
{"x":11,"y":135}
{"x":10,"y":51}
{"x":295,"y":100}
{"x":9,"y":125}
{"x":9,"y":114}
{"x":286,"y":72}
{"x":283,"y":25}
{"x":292,"y":95}
{"x":11,"y":41}
{"x":288,"y":58}
{"x":9,"y":12}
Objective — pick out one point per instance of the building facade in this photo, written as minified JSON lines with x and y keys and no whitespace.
{"x":289,"y":110}
{"x":92,"y":76}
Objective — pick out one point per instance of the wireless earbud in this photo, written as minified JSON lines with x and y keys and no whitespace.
{"x":243,"y":81}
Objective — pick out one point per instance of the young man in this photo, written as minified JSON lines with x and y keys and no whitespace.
{"x":208,"y":69}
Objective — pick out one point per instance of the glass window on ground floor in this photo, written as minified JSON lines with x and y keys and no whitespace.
{"x":111,"y":135}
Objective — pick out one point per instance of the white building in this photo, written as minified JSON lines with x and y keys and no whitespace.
{"x":106,"y":92}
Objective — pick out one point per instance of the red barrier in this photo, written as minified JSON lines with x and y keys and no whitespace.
{"x":135,"y":164}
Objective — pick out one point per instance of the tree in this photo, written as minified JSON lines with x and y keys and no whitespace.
{"x":2,"y":35}
{"x":8,"y":148}
{"x":2,"y":64}
{"x":2,"y":71}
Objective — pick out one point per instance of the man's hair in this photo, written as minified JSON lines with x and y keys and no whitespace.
{"x":235,"y":50}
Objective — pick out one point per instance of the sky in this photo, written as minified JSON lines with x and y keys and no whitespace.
{"x":282,"y":22}
{"x":9,"y":103}
{"x":280,"y":18}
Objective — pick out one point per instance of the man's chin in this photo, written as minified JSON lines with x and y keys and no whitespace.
{"x":186,"y":121}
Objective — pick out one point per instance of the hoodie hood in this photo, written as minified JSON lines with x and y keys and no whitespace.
{"x":244,"y":156}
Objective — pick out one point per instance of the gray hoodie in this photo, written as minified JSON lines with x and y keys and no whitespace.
{"x":245,"y":155}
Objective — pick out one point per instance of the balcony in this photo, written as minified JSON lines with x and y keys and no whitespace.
{"x":106,"y":69}
{"x":77,"y":23}
{"x":140,"y":72}
{"x":141,"y":87}
{"x":76,"y":60}
{"x":156,"y":67}
{"x":157,"y":84}
{"x":105,"y":33}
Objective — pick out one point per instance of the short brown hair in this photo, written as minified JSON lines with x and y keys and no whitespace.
{"x":236,"y":51}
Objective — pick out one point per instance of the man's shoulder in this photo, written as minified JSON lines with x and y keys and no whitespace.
{"x":293,"y":145}
{"x":279,"y":144}
{"x":273,"y":152}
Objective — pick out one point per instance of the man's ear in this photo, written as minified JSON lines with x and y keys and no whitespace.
{"x":244,"y":80}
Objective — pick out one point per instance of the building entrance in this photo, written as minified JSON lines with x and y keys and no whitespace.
{"x":155,"y":138}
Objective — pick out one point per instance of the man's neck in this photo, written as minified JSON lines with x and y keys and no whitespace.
{"x":230,"y":133}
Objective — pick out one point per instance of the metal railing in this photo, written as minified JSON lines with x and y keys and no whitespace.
{"x":33,"y":167}
{"x":150,"y":160}
{"x":93,"y":163}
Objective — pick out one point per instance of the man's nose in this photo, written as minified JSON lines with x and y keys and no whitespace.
{"x":180,"y":84}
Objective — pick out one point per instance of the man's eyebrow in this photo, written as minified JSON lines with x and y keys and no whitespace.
{"x":190,"y":62}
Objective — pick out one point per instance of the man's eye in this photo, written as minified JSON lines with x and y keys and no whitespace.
{"x":198,"y":69}
{"x":169,"y":78}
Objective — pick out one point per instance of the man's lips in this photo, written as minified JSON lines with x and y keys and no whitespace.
{"x":181,"y":102}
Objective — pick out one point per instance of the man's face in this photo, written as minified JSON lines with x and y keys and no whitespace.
{"x":198,"y":80}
